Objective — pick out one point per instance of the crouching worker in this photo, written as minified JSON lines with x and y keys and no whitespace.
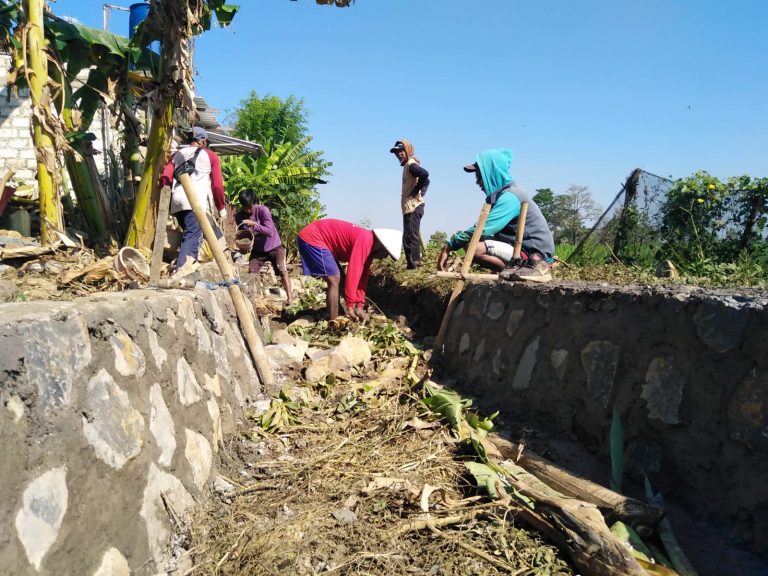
{"x":323,"y":244}
{"x":496,"y":247}
{"x":267,"y":246}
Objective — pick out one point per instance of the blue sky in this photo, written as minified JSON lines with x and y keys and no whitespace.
{"x":582,"y":91}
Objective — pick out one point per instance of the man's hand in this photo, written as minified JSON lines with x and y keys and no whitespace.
{"x":357,"y":314}
{"x":248,"y":222}
{"x":443,"y":258}
{"x":223,"y":213}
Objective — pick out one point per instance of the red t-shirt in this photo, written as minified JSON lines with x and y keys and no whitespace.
{"x":348,"y":243}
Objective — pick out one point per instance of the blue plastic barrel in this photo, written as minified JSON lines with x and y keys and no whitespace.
{"x":137,"y":13}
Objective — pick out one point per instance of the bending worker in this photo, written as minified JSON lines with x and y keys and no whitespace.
{"x":323,"y":244}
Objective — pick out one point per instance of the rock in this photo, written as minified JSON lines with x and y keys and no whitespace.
{"x":281,"y":355}
{"x":663,"y":389}
{"x":344,"y":516}
{"x":161,"y":426}
{"x":200,"y":457}
{"x":7,"y":291}
{"x":600,"y":359}
{"x":526,"y":365}
{"x":355,"y":350}
{"x":44,"y":504}
{"x":111,"y":425}
{"x":113,"y":564}
{"x":283,"y":337}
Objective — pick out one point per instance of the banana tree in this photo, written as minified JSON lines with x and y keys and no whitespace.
{"x":22,"y":34}
{"x":174,"y":23}
{"x":284,"y":179}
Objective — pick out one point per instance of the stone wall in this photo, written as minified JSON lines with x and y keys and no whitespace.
{"x":114,"y":409}
{"x":687,"y":371}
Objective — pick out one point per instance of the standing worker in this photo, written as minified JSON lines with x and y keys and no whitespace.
{"x":496,"y":246}
{"x":208,"y":185}
{"x":323,"y":244}
{"x":415,"y":184}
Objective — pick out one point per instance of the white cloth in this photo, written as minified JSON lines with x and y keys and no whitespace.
{"x":201,"y":180}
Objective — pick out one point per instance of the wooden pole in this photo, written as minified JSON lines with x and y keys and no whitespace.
{"x":520,"y":230}
{"x":468,"y":276}
{"x":157,"y":247}
{"x":255,"y":345}
{"x":459,"y":286}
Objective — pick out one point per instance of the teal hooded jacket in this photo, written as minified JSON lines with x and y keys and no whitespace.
{"x":494,"y":170}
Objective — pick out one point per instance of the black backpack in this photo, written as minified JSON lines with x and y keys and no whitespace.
{"x":188,"y":166}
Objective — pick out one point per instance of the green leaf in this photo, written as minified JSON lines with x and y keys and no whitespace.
{"x":447,"y":403}
{"x":485,"y":477}
{"x":225,"y":13}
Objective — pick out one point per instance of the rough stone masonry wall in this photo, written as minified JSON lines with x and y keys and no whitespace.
{"x":686,"y":371}
{"x":113,"y":411}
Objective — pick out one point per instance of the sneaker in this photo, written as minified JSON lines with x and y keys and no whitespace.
{"x":536,"y":271}
{"x":511,"y":268}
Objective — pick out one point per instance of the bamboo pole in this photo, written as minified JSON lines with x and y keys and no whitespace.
{"x":44,"y":148}
{"x":459,"y":286}
{"x":520,"y":230}
{"x":255,"y":345}
{"x":468,"y":276}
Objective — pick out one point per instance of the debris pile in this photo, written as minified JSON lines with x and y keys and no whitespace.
{"x":362,"y":464}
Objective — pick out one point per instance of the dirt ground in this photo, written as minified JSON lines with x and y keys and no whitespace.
{"x":360,"y":479}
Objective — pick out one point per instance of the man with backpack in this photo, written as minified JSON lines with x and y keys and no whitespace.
{"x":208,"y":184}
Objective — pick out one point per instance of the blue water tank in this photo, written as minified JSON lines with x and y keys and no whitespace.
{"x":137,"y":13}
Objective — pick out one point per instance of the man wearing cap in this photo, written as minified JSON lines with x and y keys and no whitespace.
{"x":324,"y":243}
{"x":495,"y":251}
{"x":415,"y":184}
{"x":209,"y":188}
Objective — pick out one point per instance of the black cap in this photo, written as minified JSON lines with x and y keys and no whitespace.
{"x":471,"y":167}
{"x":397,"y":147}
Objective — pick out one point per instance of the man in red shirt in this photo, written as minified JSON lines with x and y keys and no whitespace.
{"x":325,"y":243}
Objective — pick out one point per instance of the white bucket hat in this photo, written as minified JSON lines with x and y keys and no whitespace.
{"x":392,"y":240}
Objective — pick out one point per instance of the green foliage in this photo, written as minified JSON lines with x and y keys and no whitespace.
{"x":708,"y":223}
{"x":568,"y":214}
{"x":270,"y":120}
{"x":285,"y":178}
{"x":437,"y":241}
{"x":282,"y":413}
{"x":545,"y":200}
{"x":284,"y":181}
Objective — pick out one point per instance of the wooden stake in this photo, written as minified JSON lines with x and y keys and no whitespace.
{"x":459,"y":286}
{"x":255,"y":345}
{"x":157,"y":247}
{"x":520,"y":230}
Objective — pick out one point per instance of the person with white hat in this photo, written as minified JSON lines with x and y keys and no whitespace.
{"x":323,"y":244}
{"x":208,"y":185}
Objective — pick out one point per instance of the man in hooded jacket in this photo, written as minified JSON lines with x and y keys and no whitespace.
{"x":415,"y":184}
{"x":495,"y":250}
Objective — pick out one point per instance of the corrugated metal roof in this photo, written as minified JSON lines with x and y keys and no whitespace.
{"x":225,"y":145}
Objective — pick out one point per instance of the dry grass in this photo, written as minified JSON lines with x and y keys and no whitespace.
{"x":344,"y":491}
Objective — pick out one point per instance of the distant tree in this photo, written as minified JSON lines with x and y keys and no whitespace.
{"x":545,"y":199}
{"x":270,"y":120}
{"x":437,"y":240}
{"x":571,"y":212}
{"x":366,"y":223}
